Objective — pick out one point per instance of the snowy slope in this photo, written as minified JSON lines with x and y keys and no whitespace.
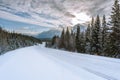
{"x":49,"y":34}
{"x":39,"y":63}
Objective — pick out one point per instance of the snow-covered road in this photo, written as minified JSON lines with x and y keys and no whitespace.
{"x":39,"y":63}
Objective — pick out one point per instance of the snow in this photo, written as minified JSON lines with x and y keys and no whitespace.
{"x":40,"y":63}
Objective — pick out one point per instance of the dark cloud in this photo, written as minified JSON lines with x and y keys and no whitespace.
{"x":100,"y":7}
{"x":59,"y":6}
{"x":92,"y":7}
{"x":69,"y":14}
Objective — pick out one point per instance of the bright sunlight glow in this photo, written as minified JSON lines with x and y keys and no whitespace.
{"x":80,"y":18}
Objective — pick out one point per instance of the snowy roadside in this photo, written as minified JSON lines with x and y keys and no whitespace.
{"x":39,"y":63}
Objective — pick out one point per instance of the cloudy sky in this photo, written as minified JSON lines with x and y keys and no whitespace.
{"x":35,"y":16}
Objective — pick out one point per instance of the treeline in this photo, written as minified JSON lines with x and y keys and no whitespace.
{"x":10,"y":41}
{"x":98,"y":39}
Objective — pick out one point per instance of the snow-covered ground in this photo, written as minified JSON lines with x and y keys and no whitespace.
{"x":39,"y":63}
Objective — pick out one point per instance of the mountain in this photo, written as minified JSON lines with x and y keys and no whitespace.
{"x":52,"y":32}
{"x":82,"y":27}
{"x":49,"y":34}
{"x":40,"y":63}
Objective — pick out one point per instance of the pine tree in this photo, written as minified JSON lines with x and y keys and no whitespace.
{"x":77,"y":39}
{"x":82,"y":42}
{"x":72,"y":41}
{"x":10,"y":41}
{"x":88,"y":39}
{"x":62,"y":40}
{"x":104,"y":36}
{"x":96,"y":37}
{"x":92,"y":35}
{"x":115,"y":36}
{"x":67,"y":39}
{"x":53,"y":40}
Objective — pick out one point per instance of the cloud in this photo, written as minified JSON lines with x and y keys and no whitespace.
{"x":21,"y":27}
{"x":52,"y":13}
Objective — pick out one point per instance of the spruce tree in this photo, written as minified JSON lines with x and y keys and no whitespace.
{"x":67,"y":39}
{"x":53,"y":40}
{"x":62,"y":40}
{"x":82,"y":42}
{"x":96,"y":37}
{"x":115,"y":36}
{"x":104,"y":36}
{"x":77,"y":39}
{"x":72,"y":41}
{"x":92,"y":35}
{"x":10,"y":41}
{"x":88,"y":39}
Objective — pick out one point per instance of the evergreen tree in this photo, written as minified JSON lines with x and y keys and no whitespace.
{"x":96,"y":37}
{"x":104,"y":36}
{"x":115,"y":36}
{"x":62,"y":40}
{"x":67,"y":39}
{"x":72,"y":41}
{"x":77,"y":39}
{"x":92,"y":35}
{"x":88,"y":33}
{"x":82,"y":42}
{"x":10,"y":41}
{"x":88,"y":39}
{"x":53,"y":40}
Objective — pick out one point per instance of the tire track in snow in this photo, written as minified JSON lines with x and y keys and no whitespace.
{"x":100,"y":58}
{"x":71,"y":66}
{"x":100,"y":74}
{"x":97,"y":73}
